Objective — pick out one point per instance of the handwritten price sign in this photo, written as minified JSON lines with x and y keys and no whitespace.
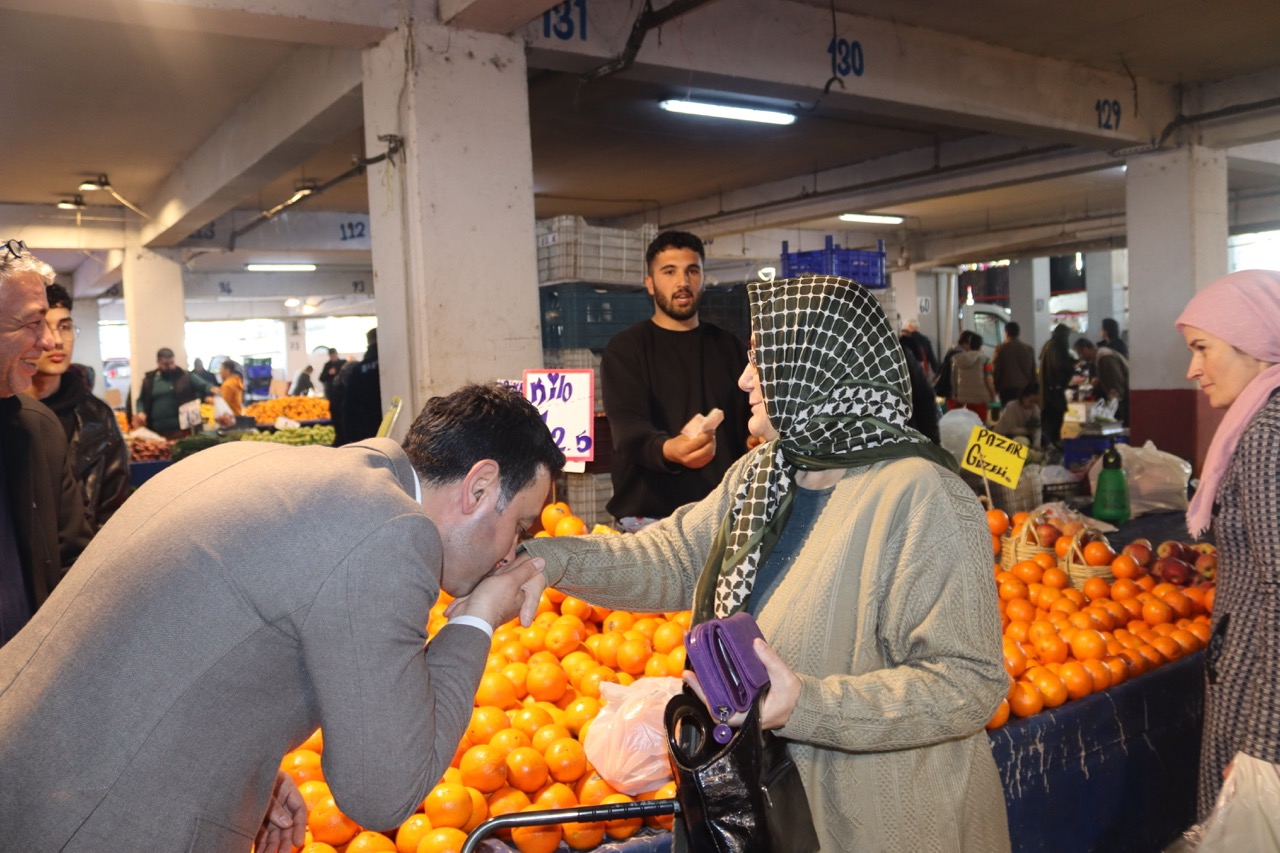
{"x":566,"y":399}
{"x":995,"y":457}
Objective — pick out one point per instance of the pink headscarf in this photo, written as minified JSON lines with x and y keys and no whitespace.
{"x":1244,"y":310}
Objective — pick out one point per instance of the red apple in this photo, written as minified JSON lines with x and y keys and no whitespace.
{"x":1140,"y":551}
{"x":1174,"y":570}
{"x":1206,"y":566}
{"x":1204,"y":548}
{"x":1175,"y":549}
{"x":1048,"y":534}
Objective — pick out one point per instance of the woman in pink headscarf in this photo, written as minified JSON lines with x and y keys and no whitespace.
{"x":1232,"y":328}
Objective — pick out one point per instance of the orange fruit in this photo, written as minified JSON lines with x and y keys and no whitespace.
{"x":1155,"y":612}
{"x":479,"y":810}
{"x":666,"y":792}
{"x":1055,"y":578}
{"x":448,"y":804}
{"x":1027,"y":571}
{"x":526,"y":769}
{"x":1013,"y":588}
{"x":1123,"y":589}
{"x":624,"y":828}
{"x":543,"y":737}
{"x":1101,"y":674}
{"x":303,"y":765}
{"x":317,"y":847}
{"x":562,"y":639}
{"x":592,"y":789}
{"x":1119,"y":668}
{"x":539,"y":838}
{"x":506,"y":800}
{"x":579,"y":711}
{"x":486,"y":721}
{"x":1168,"y":647}
{"x":328,"y":824}
{"x":591,"y":680}
{"x":517,"y":672}
{"x":633,"y":654}
{"x":1001,"y":716}
{"x":1015,"y":658}
{"x":411,"y":832}
{"x":529,"y":719}
{"x":1050,"y":685}
{"x":370,"y":842}
{"x":570,"y":525}
{"x":1020,"y":610}
{"x":315,"y":742}
{"x":484,"y":768}
{"x":668,"y":636}
{"x":1096,"y":587}
{"x":1025,"y":700}
{"x":583,"y":836}
{"x":1125,"y":567}
{"x":1088,"y":644}
{"x":314,"y":792}
{"x":995,"y":545}
{"x":997,"y":522}
{"x":1062,"y":546}
{"x":1178,"y":602}
{"x":547,"y":682}
{"x":1044,"y":559}
{"x":496,"y":690}
{"x":1098,"y":553}
{"x":1052,"y":649}
{"x":443,"y":840}
{"x":555,"y":795}
{"x":566,"y":760}
{"x":552,"y":513}
{"x":1077,"y":679}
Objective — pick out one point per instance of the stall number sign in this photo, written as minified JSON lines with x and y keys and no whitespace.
{"x":995,"y":457}
{"x":566,"y":400}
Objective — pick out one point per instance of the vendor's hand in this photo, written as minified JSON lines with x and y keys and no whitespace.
{"x":139,"y":420}
{"x":285,"y":825}
{"x":690,"y":452}
{"x":509,"y":589}
{"x":779,"y":702}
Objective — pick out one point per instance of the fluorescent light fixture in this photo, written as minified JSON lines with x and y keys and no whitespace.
{"x":308,"y":309}
{"x":701,"y":108}
{"x":99,"y":183}
{"x":292,"y":302}
{"x":280,"y":267}
{"x":871,"y":218}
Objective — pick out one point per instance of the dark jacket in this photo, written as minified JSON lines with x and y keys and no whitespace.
{"x":48,"y":509}
{"x":362,"y":398}
{"x":99,"y":455}
{"x":185,"y":389}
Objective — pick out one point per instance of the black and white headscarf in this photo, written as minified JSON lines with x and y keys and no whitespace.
{"x":836,"y":389}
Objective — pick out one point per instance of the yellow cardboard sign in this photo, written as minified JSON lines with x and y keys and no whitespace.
{"x":995,"y":457}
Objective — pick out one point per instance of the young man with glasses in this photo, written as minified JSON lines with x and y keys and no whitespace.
{"x":99,"y":456}
{"x":42,"y":521}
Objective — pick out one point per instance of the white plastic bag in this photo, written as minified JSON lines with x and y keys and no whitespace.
{"x":627,"y":741}
{"x":1246,"y":816}
{"x":954,"y":429}
{"x":1157,"y":480}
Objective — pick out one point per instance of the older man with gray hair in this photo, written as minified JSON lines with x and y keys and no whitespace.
{"x":42,"y":520}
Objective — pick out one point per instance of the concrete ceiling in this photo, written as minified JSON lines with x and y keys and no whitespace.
{"x":132,"y":88}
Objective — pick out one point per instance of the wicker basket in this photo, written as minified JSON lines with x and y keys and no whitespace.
{"x":1078,"y":570}
{"x":1019,"y":546}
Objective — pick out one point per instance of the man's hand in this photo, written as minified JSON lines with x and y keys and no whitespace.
{"x":285,"y":826}
{"x":506,"y":591}
{"x":139,"y":419}
{"x":690,"y":452}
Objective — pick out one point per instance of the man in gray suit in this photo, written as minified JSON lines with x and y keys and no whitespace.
{"x":251,"y":593}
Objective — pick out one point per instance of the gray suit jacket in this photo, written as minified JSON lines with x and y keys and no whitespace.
{"x":235,"y":602}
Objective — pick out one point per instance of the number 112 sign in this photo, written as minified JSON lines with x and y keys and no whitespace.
{"x":566,"y":400}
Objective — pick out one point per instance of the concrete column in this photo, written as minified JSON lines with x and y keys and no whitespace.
{"x":1176,"y":209}
{"x":1106,"y":275}
{"x":89,"y":344}
{"x":153,"y":308}
{"x":1029,"y":300}
{"x":296,"y":356}
{"x":448,"y":314}
{"x":904,"y":285}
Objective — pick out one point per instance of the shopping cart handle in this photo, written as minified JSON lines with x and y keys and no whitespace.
{"x":580,"y":814}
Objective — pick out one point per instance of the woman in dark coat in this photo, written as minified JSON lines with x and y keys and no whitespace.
{"x":1056,"y":366}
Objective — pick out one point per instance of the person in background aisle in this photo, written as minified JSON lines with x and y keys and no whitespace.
{"x":177,"y":638}
{"x":329,"y":372}
{"x":1111,"y":372}
{"x":163,"y":391}
{"x":924,"y":405}
{"x":924,"y":347}
{"x":1013,"y":366}
{"x":1021,"y":417}
{"x":1111,"y":337}
{"x":971,"y":385}
{"x":866,"y":562}
{"x":362,"y":394}
{"x":1057,"y":365}
{"x":302,"y":382}
{"x":98,"y":453}
{"x":197,"y":369}
{"x":1232,"y":328}
{"x":656,"y":376}
{"x":42,"y":519}
{"x":232,"y":386}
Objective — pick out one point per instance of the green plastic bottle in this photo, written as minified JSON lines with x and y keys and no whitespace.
{"x":1111,"y":497}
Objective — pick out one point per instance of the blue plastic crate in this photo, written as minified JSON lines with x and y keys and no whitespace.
{"x":579,"y":315}
{"x":866,"y":268}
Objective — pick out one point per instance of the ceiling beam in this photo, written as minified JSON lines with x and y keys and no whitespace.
{"x":785,"y":51}
{"x":313,"y":100}
{"x":493,"y":16}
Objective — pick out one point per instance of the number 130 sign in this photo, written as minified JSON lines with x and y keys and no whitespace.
{"x":566,"y":400}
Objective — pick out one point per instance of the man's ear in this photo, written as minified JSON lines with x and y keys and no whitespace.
{"x":480,"y":487}
{"x":648,"y":284}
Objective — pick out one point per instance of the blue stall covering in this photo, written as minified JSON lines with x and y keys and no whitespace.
{"x":140,"y":472}
{"x":1115,"y":771}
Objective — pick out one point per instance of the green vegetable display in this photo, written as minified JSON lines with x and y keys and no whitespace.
{"x":321,"y":434}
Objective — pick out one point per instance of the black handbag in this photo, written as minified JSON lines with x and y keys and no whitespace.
{"x":741,"y":797}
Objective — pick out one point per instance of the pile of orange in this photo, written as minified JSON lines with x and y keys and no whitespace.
{"x":1062,"y":643}
{"x":522,"y":749}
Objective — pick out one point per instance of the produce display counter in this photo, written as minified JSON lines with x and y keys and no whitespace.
{"x":140,"y":472}
{"x":1115,"y":771}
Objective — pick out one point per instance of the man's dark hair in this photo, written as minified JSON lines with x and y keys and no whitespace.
{"x":164,"y":352}
{"x":1030,"y":391}
{"x":1012,"y":329}
{"x":1109,"y":325}
{"x":1083,"y":344}
{"x":454,"y":432}
{"x":332,"y":351}
{"x":58,"y":296}
{"x":672,"y":240}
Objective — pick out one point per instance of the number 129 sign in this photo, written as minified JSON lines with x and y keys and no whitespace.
{"x":566,"y":400}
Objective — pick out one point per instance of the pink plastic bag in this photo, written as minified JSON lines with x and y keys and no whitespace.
{"x":627,"y":741}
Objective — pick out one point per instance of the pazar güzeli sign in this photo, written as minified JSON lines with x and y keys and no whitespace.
{"x":995,"y":457}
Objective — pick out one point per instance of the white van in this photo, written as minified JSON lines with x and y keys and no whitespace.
{"x":988,"y":321}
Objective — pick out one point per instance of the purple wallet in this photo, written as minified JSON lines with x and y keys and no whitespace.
{"x":731,"y":673}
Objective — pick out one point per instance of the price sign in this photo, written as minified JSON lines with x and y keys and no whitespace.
{"x":995,"y":457}
{"x":189,"y":415}
{"x":566,"y":399}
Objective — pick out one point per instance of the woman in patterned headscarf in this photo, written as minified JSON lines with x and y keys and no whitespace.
{"x":867,"y":564}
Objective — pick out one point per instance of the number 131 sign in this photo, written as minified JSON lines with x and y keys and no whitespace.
{"x":566,"y":400}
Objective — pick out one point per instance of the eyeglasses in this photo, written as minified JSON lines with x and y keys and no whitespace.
{"x":15,"y":248}
{"x":67,"y":330}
